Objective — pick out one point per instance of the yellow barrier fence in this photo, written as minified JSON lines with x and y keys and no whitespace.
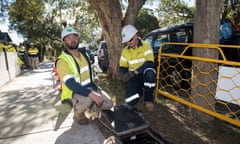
{"x":203,"y":76}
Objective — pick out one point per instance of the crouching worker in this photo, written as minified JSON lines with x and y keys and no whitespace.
{"x":75,"y":72}
{"x":137,"y":67}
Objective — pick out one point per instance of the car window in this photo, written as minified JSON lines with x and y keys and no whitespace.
{"x":149,"y":40}
{"x":160,"y":39}
{"x":174,"y":37}
{"x":182,"y":37}
{"x":104,"y":46}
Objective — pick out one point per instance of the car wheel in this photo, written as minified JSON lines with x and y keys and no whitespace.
{"x":178,"y":80}
{"x":174,"y":78}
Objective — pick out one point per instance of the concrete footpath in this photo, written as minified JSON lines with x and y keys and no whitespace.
{"x":30,"y":112}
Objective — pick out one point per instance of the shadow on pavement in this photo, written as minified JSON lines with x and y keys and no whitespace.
{"x":81,"y":134}
{"x":63,"y":111}
{"x":31,"y":107}
{"x":26,"y":109}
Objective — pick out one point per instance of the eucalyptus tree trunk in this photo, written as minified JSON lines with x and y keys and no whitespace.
{"x":206,"y":31}
{"x":112,"y":19}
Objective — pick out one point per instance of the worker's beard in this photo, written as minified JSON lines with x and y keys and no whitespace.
{"x":72,"y":45}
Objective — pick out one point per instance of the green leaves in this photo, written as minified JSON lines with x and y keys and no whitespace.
{"x":174,"y":12}
{"x":145,"y":22}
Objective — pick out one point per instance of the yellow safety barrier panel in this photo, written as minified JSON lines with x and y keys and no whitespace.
{"x":208,"y":82}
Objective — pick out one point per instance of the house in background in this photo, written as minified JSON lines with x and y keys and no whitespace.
{"x":4,"y":36}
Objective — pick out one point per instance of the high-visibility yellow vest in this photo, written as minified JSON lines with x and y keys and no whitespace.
{"x":19,"y":61}
{"x":83,"y":77}
{"x":33,"y":51}
{"x":10,"y":48}
{"x":21,"y":49}
{"x":135,"y":58}
{"x":1,"y":47}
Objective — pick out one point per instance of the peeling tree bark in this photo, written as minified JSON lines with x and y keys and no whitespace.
{"x":111,"y":19}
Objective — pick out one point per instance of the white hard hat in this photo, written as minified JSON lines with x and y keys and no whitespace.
{"x":67,"y":31}
{"x":128,"y":32}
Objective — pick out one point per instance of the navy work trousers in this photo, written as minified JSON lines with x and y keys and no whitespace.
{"x":140,"y":85}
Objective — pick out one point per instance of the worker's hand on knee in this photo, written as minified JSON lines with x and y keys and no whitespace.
{"x":81,"y":103}
{"x":127,"y":76}
{"x":96,"y":97}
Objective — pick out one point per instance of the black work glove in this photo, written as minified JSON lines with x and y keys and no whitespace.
{"x":127,"y":76}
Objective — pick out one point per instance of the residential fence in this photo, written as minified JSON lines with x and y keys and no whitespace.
{"x":9,"y":68}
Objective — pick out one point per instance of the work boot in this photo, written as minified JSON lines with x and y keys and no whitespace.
{"x":149,"y":106}
{"x":80,"y":118}
{"x":110,"y":140}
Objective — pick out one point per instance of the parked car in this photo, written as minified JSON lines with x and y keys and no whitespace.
{"x":91,"y":56}
{"x":179,"y":33}
{"x":177,"y":70}
{"x":103,"y":56}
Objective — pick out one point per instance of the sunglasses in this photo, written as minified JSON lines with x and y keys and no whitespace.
{"x":131,"y":39}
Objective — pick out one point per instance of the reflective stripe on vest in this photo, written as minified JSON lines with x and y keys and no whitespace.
{"x":21,"y":49}
{"x":33,"y":51}
{"x":135,"y":58}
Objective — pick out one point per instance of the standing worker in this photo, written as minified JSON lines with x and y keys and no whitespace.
{"x":137,"y":68}
{"x":33,"y":56}
{"x":21,"y":53}
{"x":78,"y":88}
